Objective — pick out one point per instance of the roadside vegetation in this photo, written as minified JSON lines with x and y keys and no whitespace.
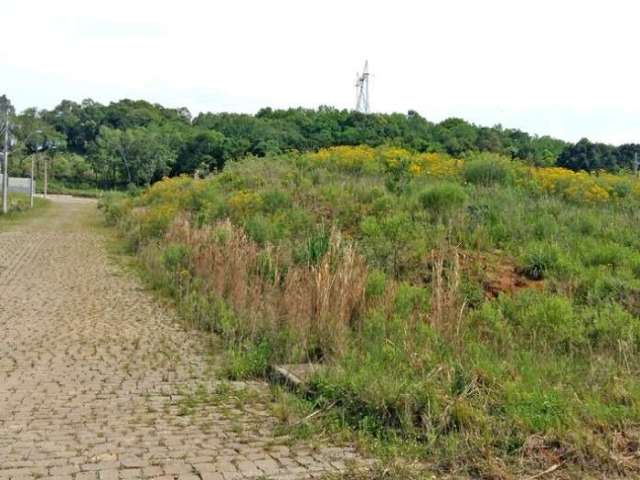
{"x":58,"y":187}
{"x":19,"y":209}
{"x":483,"y":311}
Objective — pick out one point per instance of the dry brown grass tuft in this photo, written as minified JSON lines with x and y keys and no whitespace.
{"x":447,"y":306}
{"x":318,"y":304}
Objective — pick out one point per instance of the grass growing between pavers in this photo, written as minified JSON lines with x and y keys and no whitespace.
{"x":477,"y":316}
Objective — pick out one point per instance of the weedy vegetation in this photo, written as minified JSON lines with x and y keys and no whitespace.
{"x":482,"y":311}
{"x":19,"y":209}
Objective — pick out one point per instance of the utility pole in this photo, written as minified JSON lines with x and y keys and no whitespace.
{"x":32,"y":186}
{"x":46,"y":178}
{"x":5,"y":170}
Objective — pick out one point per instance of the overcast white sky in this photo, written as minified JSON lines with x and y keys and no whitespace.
{"x":566,"y":68}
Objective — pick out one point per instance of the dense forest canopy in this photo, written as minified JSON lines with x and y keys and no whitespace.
{"x":134,"y":142}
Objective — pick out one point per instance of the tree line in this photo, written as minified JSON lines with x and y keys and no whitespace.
{"x":134,"y":142}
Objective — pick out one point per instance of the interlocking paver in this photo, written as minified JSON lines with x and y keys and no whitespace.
{"x":93,"y":369}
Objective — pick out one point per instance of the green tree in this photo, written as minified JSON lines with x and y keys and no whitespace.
{"x":133,"y":156}
{"x":589,"y":156}
{"x":204,"y":148}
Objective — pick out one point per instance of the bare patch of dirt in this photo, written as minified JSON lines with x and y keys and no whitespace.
{"x":500,"y":275}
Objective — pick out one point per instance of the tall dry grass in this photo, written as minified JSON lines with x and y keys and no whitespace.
{"x":447,"y":305}
{"x":316,"y":304}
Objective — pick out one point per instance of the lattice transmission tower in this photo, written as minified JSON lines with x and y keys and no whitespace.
{"x":362,"y":87}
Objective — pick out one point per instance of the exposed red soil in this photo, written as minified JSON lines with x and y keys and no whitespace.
{"x":497,"y":273}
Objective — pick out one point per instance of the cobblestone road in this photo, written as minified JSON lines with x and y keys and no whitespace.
{"x":94,"y":374}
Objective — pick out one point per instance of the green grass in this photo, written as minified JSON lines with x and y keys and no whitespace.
{"x":56,"y":187}
{"x":481,"y":328}
{"x":19,"y":210}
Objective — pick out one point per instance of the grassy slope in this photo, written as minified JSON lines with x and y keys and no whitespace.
{"x":464,"y":314}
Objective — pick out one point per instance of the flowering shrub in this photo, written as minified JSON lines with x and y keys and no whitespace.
{"x":437,"y":165}
{"x":386,"y":158}
{"x":396,"y":162}
{"x":576,"y":186}
{"x":182,"y":190}
{"x":243,"y":202}
{"x":350,"y":159}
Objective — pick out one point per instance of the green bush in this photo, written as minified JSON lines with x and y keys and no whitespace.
{"x":606,"y":254}
{"x":274,"y":200}
{"x":545,"y":227}
{"x":634,"y":265}
{"x":114,"y":206}
{"x":376,"y":283}
{"x":538,"y":260}
{"x":622,"y":189}
{"x":613,"y":328}
{"x":264,"y":229}
{"x":549,"y":321}
{"x":442,"y":199}
{"x":176,"y":257}
{"x":410,"y":299}
{"x":487,"y":170}
{"x":595,"y":286}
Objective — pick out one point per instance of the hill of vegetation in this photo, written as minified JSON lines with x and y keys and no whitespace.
{"x":134,"y":143}
{"x":480,"y":312}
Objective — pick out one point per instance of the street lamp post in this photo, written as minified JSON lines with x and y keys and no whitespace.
{"x":36,"y":148}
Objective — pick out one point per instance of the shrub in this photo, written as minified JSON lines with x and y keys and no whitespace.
{"x":537,"y":260}
{"x":409,"y":300}
{"x":606,"y":254}
{"x":114,"y":206}
{"x":442,"y":199}
{"x":387,"y":241}
{"x":398,"y":176}
{"x":612,"y":328}
{"x":262,"y":229}
{"x":243,"y":202}
{"x":545,"y":226}
{"x":595,"y":286}
{"x":175,"y":257}
{"x":635,"y":266}
{"x":487,"y":170}
{"x":376,"y":283}
{"x":546,"y":320}
{"x":273,"y":200}
{"x":622,"y":189}
{"x":587,"y":224}
{"x":382,"y":205}
{"x":153,"y":221}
